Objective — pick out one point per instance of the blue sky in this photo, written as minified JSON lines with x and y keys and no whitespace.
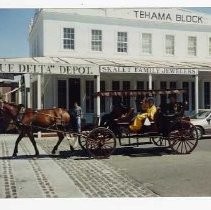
{"x":14,"y":31}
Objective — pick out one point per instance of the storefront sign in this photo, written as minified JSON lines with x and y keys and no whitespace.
{"x":162,"y":16}
{"x":48,"y":69}
{"x":147,"y":70}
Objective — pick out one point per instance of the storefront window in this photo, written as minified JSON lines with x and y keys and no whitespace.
{"x":192,"y":45}
{"x":122,"y":42}
{"x":140,"y":86}
{"x":74,"y":87}
{"x":116,"y":86}
{"x":185,"y":85}
{"x":169,"y":45}
{"x":89,"y":96}
{"x":193,"y":95}
{"x":163,"y":98}
{"x":126,"y":99}
{"x":62,"y":93}
{"x":96,"y":40}
{"x":173,"y":85}
{"x":102,"y":99}
{"x":69,"y":38}
{"x":147,"y":43}
{"x":207,"y":95}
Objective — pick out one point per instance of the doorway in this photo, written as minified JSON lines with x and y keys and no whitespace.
{"x":74,"y":92}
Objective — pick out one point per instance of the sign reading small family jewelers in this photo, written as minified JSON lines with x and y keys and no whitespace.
{"x":48,"y":69}
{"x":165,"y":16}
{"x":146,"y":70}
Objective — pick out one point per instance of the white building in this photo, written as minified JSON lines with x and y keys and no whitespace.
{"x":111,"y":49}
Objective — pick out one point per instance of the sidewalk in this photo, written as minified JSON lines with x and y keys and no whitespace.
{"x":60,"y":176}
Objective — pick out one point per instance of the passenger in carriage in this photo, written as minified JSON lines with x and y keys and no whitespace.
{"x":173,"y":107}
{"x":169,"y":110}
{"x":150,"y":110}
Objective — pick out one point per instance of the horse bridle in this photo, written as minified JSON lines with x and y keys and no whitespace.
{"x":14,"y":118}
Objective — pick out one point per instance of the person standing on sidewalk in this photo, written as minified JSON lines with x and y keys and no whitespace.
{"x":77,"y":112}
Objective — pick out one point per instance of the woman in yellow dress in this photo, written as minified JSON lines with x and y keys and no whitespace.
{"x":150,"y":109}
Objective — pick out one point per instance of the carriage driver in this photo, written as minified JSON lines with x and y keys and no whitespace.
{"x":140,"y":118}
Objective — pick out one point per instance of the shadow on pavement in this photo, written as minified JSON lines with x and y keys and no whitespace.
{"x":142,"y":152}
{"x":24,"y":157}
{"x":123,"y":151}
{"x":83,"y":155}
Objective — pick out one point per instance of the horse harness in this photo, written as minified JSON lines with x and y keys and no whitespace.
{"x":19,"y":117}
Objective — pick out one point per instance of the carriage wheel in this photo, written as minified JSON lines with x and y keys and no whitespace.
{"x":160,"y":141}
{"x":100,"y":143}
{"x":183,"y":141}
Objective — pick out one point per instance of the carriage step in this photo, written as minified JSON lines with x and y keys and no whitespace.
{"x":51,"y":134}
{"x":150,"y":134}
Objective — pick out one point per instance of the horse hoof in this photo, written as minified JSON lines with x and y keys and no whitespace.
{"x":14,"y":155}
{"x":72,"y":149}
{"x":53,"y":152}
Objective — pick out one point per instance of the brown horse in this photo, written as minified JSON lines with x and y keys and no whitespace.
{"x":27,"y":118}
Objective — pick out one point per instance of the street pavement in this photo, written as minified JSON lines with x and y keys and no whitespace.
{"x":144,"y":171}
{"x":64,"y":175}
{"x":165,"y":173}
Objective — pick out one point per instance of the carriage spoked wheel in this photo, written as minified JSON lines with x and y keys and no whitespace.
{"x":160,"y":141}
{"x":82,"y":140}
{"x":100,"y":143}
{"x":183,"y":140}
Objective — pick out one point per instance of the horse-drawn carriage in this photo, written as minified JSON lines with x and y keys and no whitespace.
{"x":179,"y":134}
{"x":171,"y":130}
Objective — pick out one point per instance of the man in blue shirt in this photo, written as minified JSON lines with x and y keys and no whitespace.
{"x":77,"y":112}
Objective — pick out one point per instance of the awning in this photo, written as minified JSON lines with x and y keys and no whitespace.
{"x":96,"y":66}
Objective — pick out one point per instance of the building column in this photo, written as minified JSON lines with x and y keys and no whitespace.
{"x":39,"y":97}
{"x":28,"y":92}
{"x":98,"y":97}
{"x":150,"y":82}
{"x":196,"y":93}
{"x":39,"y":92}
{"x":134,"y":103}
{"x":19,"y":93}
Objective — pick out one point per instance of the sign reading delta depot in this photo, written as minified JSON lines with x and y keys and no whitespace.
{"x":48,"y":69}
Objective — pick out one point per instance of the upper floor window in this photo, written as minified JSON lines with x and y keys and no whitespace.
{"x":96,"y":40}
{"x":122,"y":42}
{"x":69,"y":38}
{"x":147,"y":43}
{"x":210,"y":46}
{"x":170,"y":44}
{"x":192,"y":45}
